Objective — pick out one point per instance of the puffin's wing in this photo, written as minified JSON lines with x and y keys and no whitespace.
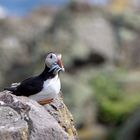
{"x":29,"y":87}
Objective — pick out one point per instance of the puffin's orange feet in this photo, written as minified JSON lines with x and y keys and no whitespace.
{"x":44,"y":102}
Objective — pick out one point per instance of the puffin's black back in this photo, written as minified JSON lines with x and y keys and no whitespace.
{"x":29,"y":86}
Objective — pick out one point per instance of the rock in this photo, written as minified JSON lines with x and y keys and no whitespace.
{"x":62,"y":115}
{"x":24,"y":119}
{"x":11,"y":125}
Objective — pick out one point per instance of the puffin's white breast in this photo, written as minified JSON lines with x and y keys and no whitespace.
{"x":51,"y":89}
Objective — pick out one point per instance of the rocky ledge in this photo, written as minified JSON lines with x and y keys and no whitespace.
{"x":24,"y":119}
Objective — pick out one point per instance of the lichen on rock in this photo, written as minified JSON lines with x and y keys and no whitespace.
{"x":62,"y":115}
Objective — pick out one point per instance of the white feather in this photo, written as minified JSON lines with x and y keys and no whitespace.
{"x":51,"y":89}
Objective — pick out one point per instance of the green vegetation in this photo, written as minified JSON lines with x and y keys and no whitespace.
{"x":114,"y":105}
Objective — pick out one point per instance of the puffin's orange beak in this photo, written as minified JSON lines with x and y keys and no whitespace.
{"x":59,"y":62}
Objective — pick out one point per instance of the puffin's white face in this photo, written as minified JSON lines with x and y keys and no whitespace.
{"x":54,"y":59}
{"x":51,"y":59}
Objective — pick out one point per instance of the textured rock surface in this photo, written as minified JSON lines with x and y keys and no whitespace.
{"x":24,"y":119}
{"x":12,"y":126}
{"x":62,"y":115}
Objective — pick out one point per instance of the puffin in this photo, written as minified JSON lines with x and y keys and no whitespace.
{"x":44,"y":87}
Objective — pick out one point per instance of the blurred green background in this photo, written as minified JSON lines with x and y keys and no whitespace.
{"x":100,"y":45}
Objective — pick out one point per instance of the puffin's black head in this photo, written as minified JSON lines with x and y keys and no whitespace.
{"x":54,"y":62}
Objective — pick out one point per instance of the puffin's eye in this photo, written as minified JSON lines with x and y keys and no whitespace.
{"x":51,"y":56}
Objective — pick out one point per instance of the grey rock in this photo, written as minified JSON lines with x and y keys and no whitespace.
{"x":12,"y":126}
{"x":24,"y":119}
